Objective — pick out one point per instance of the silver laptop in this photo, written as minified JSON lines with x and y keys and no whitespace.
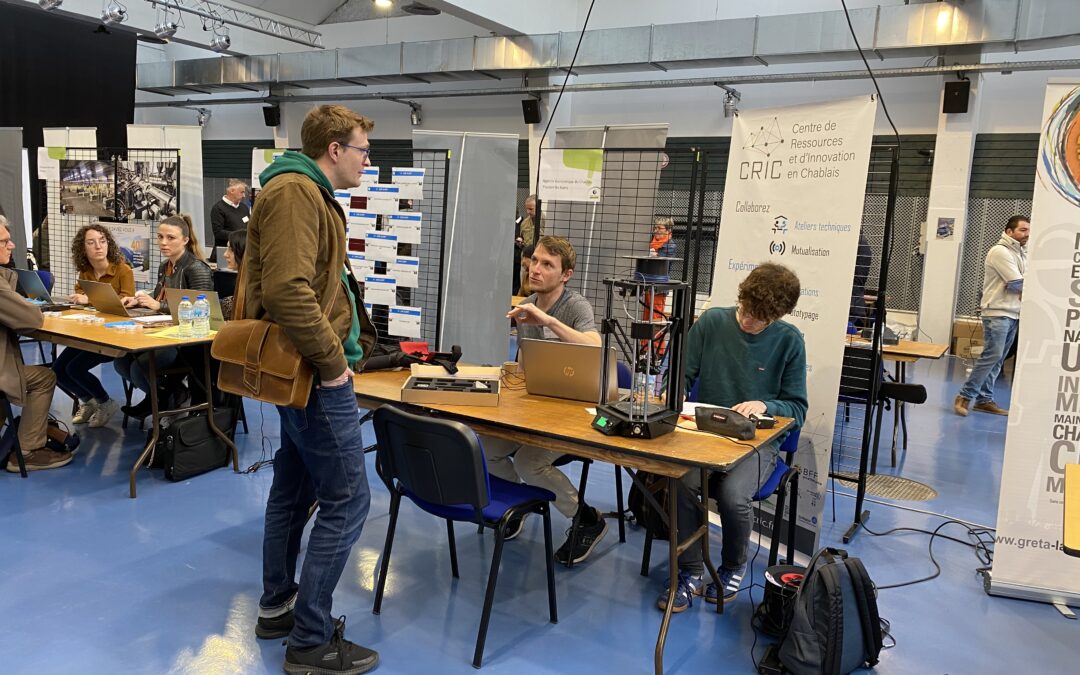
{"x":567,"y":370}
{"x":31,"y":286}
{"x":174,"y":295}
{"x":104,"y":299}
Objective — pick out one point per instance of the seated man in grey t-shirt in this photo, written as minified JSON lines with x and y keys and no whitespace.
{"x":552,"y":312}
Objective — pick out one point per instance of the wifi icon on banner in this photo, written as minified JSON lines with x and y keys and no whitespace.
{"x":777,"y":247}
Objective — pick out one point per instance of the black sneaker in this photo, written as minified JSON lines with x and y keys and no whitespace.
{"x":587,"y":537}
{"x":514,"y":526}
{"x":270,"y":628}
{"x":337,"y":657}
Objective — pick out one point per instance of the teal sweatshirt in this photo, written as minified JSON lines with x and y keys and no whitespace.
{"x":297,"y":162}
{"x":732,"y":366}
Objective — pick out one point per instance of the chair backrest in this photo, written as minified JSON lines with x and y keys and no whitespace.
{"x":855,"y":373}
{"x":626,"y":376}
{"x":790,"y":445}
{"x":438,"y":461}
{"x":46,"y":279}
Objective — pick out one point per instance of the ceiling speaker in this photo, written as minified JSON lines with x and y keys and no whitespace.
{"x":530,"y":110}
{"x":272,"y":115}
{"x":956,"y":97}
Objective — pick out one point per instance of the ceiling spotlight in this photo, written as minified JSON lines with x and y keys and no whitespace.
{"x":49,"y":5}
{"x":166,"y":29}
{"x":731,"y":104}
{"x":414,"y":115}
{"x":383,"y":4}
{"x":113,"y":13}
{"x":220,"y":42}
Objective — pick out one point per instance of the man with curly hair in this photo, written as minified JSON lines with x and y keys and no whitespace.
{"x":745,"y":358}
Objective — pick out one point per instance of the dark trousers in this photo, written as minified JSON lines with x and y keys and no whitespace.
{"x":72,"y":368}
{"x":734,"y":491}
{"x":321,"y":458}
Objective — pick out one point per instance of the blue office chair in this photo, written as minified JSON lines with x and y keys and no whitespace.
{"x":9,"y":441}
{"x":46,"y":279}
{"x":625,"y":376}
{"x":783,"y":479}
{"x":439,"y":465}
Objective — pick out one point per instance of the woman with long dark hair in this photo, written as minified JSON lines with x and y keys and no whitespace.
{"x":183,"y":266}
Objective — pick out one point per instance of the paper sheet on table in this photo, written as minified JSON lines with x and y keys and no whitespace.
{"x":173,"y":333}
{"x":76,"y":317}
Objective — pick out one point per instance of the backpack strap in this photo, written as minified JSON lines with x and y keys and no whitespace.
{"x":834,"y":636}
{"x":868,"y":613}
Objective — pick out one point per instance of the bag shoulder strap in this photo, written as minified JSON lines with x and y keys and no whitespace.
{"x":834,"y":631}
{"x":868,"y":614}
{"x":329,"y":296}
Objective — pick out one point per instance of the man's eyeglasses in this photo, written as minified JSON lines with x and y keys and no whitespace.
{"x":366,"y":151}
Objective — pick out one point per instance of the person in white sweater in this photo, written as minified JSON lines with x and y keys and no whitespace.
{"x":1003,"y":285}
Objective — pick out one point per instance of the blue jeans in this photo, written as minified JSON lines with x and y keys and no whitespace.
{"x":999,"y":332}
{"x":136,"y":368}
{"x":321,"y":458}
{"x":734,"y":491}
{"x":72,"y":368}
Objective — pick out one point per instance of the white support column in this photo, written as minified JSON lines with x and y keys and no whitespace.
{"x":948,"y":199}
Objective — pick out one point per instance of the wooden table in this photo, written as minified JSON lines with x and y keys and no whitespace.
{"x":111,"y":342}
{"x":1071,"y":538}
{"x":565,"y":426}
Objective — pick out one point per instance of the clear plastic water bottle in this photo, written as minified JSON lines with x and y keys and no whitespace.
{"x":200,"y":326}
{"x":184,"y":312}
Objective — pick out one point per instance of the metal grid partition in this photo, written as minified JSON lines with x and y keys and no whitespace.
{"x":986,"y":218}
{"x":905,"y":263}
{"x":119,"y":185}
{"x":428,"y":294}
{"x":620,"y":224}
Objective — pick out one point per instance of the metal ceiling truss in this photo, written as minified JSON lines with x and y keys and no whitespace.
{"x":726,"y":83}
{"x":223,"y":14}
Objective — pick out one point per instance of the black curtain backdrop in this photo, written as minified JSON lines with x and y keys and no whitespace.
{"x":60,"y":72}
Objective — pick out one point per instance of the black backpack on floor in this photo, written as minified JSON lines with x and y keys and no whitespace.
{"x":642,"y":508}
{"x":835,"y":627}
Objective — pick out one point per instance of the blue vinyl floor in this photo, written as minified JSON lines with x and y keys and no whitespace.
{"x":95,"y":582}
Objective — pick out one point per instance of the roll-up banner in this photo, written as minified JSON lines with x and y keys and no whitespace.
{"x":1043,"y":434}
{"x":796,"y":181}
